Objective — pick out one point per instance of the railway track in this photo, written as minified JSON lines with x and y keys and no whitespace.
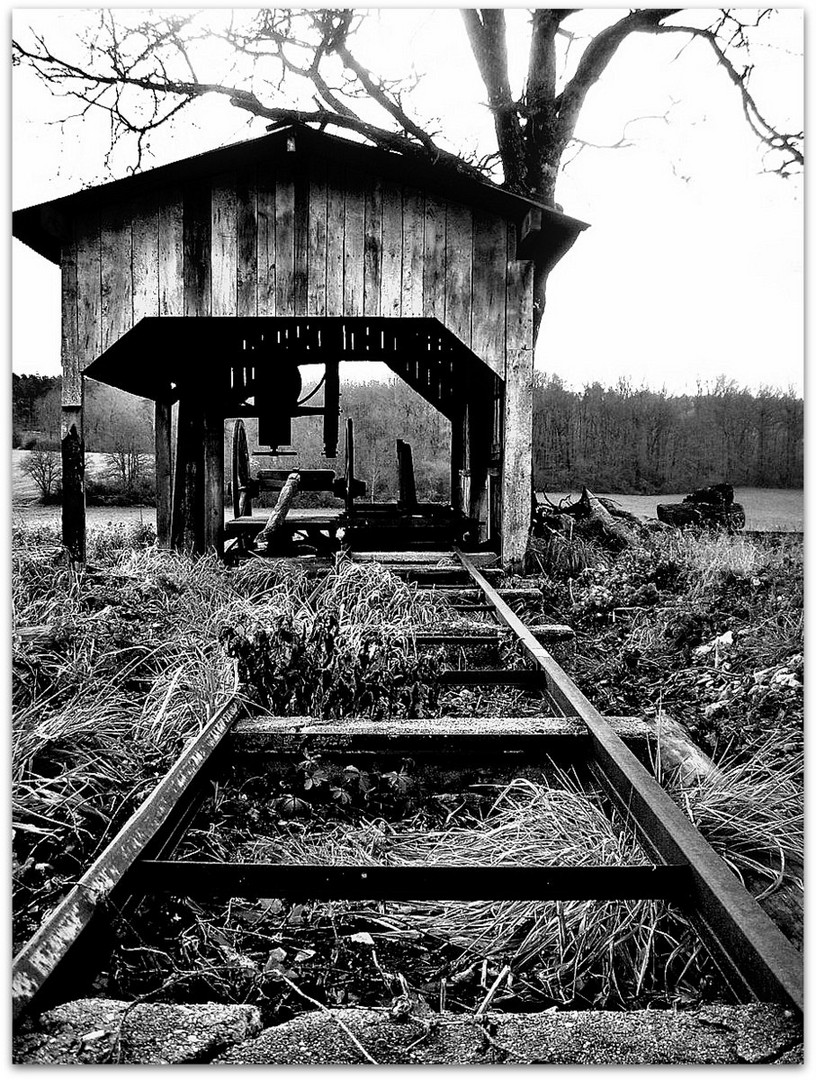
{"x":755,"y":959}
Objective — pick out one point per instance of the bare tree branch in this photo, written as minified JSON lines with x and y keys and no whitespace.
{"x":487,"y":32}
{"x":142,"y":72}
{"x":788,"y":143}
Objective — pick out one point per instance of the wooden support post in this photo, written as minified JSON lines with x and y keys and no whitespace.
{"x":212,"y":509}
{"x":73,"y":485}
{"x":457,"y":461}
{"x":405,"y":470}
{"x":187,"y":501}
{"x":164,"y":472}
{"x":331,"y":400}
{"x":477,"y":457}
{"x":517,"y":457}
{"x":72,"y":445}
{"x":349,"y":494}
{"x":198,"y":493}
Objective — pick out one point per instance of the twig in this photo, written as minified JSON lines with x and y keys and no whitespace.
{"x":329,"y":1013}
{"x":491,"y":993}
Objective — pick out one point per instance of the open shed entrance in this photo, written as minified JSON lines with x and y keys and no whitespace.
{"x":230,"y":368}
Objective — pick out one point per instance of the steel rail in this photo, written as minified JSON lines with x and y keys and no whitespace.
{"x":753,"y":955}
{"x":39,"y":958}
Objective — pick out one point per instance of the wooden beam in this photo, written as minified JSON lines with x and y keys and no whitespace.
{"x":517,"y":456}
{"x":405,"y":469}
{"x":330,"y":882}
{"x":212,"y":508}
{"x":73,"y":485}
{"x":72,"y":449}
{"x":187,"y":523}
{"x":163,"y":432}
{"x":278,"y":516}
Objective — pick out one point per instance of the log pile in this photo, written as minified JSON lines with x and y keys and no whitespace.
{"x":708,"y":507}
{"x":590,"y":517}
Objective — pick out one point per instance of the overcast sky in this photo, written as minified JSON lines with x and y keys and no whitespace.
{"x":693,"y":266}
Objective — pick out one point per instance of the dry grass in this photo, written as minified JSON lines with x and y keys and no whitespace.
{"x":564,"y":951}
{"x":115,"y":667}
{"x":609,"y":953}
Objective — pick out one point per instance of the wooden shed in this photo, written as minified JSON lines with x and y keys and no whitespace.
{"x":208,"y":281}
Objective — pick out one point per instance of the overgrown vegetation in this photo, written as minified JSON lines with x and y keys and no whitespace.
{"x":117,"y":665}
{"x":708,"y":627}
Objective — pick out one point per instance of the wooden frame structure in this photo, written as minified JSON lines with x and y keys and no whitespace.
{"x":296,"y":247}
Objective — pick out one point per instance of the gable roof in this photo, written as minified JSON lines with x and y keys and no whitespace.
{"x":39,"y":226}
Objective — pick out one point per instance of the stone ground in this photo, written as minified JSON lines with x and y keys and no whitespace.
{"x":95,"y":1031}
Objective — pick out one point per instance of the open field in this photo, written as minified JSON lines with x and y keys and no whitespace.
{"x":766,"y":509}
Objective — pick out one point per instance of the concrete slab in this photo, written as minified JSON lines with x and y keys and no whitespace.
{"x":93,"y":1031}
{"x":713,"y":1034}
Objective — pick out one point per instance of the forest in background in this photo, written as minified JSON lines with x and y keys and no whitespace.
{"x":615,"y":438}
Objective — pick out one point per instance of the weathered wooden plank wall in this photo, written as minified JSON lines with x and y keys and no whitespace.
{"x":278,"y":240}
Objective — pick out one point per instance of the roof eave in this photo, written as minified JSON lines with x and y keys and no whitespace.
{"x":44,"y":227}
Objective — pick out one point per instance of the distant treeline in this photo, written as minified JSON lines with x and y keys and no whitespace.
{"x":645,"y":441}
{"x":611,"y":438}
{"x":113,"y":419}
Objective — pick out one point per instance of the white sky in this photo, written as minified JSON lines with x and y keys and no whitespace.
{"x":693,"y":266}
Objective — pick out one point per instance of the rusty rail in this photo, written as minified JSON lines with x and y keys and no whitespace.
{"x":754,"y":957}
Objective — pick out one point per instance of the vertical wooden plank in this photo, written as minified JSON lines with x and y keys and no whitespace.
{"x":117,"y":277}
{"x":145,"y":226}
{"x":171,"y":254}
{"x":89,"y":291}
{"x":433,"y":268}
{"x":69,"y":346}
{"x":413,"y":251}
{"x":457,"y":459}
{"x":197,"y":231}
{"x":335,"y":241}
{"x":489,"y":290}
{"x":71,"y":445}
{"x":247,"y":225}
{"x":213,"y":487}
{"x":164,"y":471}
{"x":372,"y":270}
{"x":224,"y":247}
{"x":391,"y":290}
{"x":459,"y":271}
{"x":187,"y":524}
{"x":316,"y":288}
{"x":300,"y":284}
{"x":266,"y":243}
{"x":285,"y":245}
{"x":517,"y":458}
{"x":354,"y":247}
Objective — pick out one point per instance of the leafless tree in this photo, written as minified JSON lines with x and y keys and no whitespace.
{"x":144,"y":68}
{"x":43,"y":467}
